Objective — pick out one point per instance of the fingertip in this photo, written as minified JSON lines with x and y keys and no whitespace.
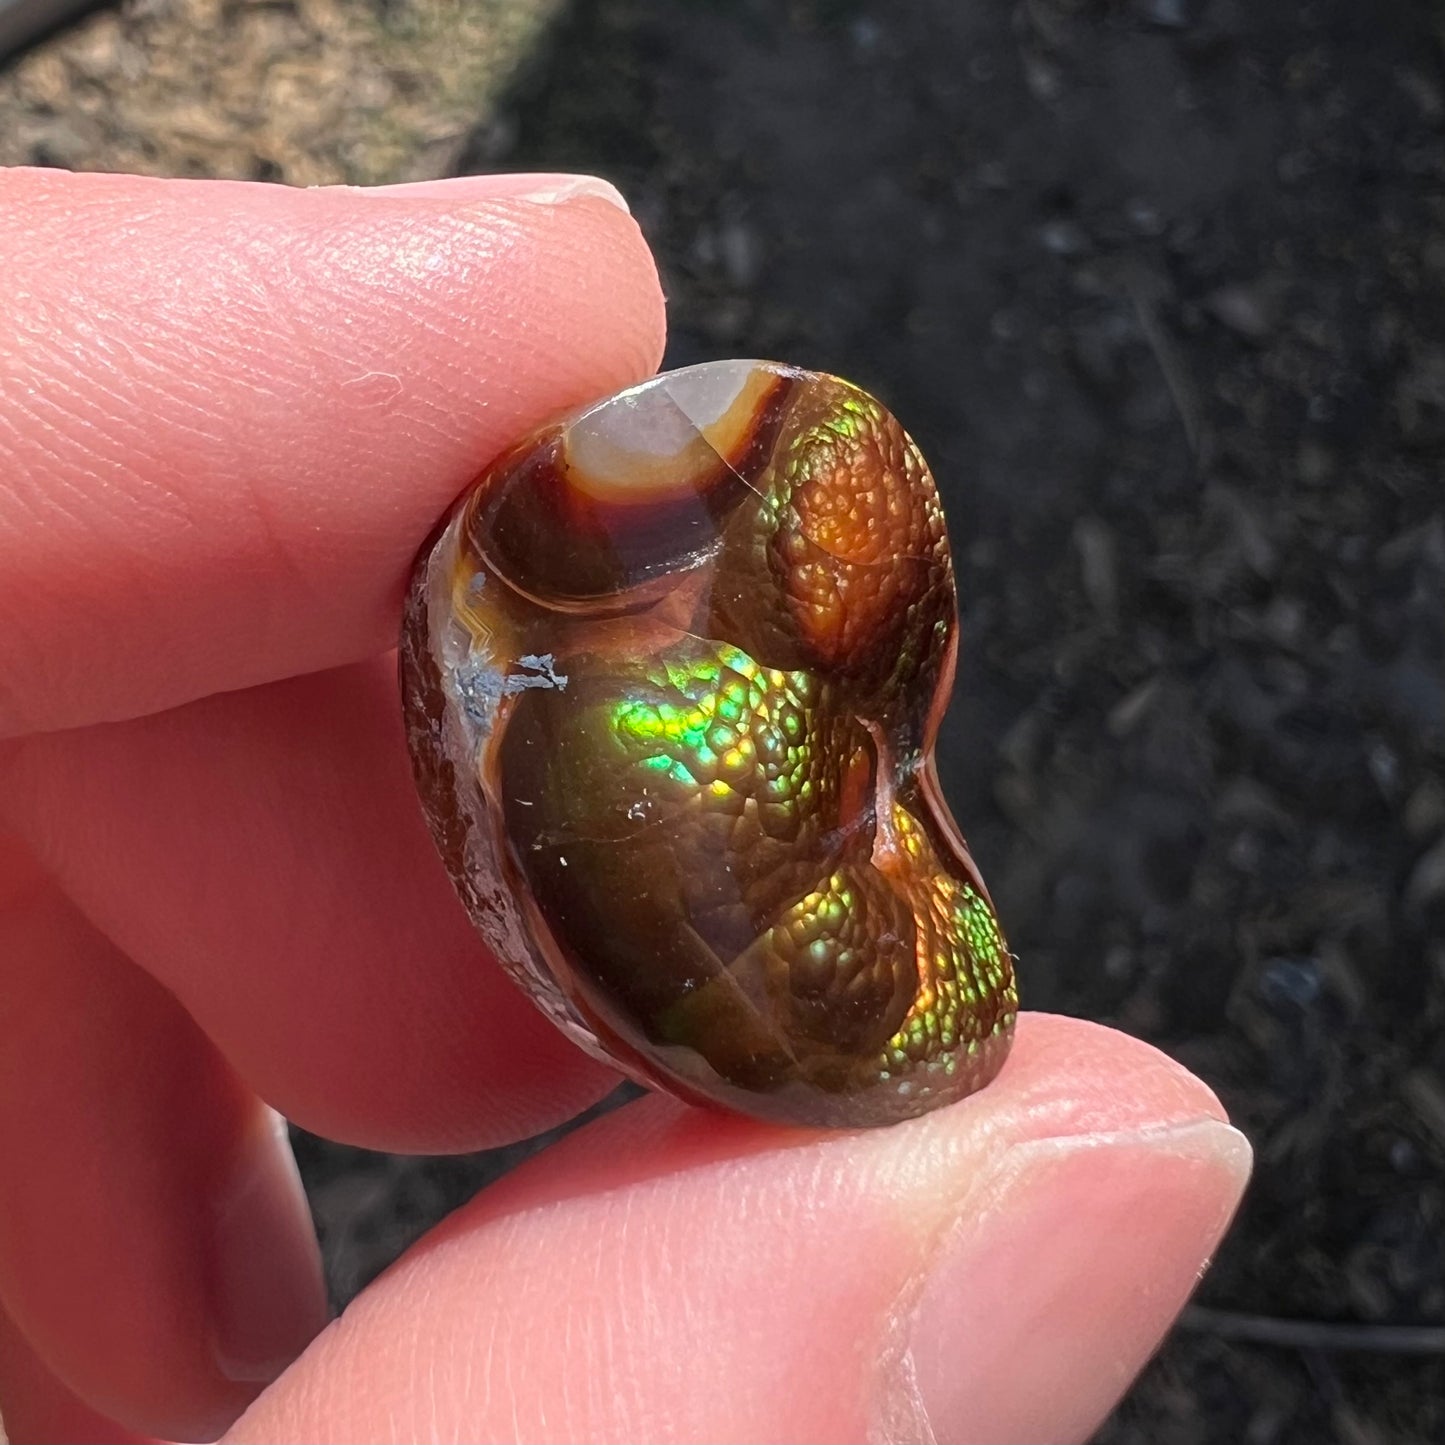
{"x":1045,"y":1300}
{"x":1071,"y":1076}
{"x":234,"y":411}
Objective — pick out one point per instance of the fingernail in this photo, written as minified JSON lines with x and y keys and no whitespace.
{"x":1051,"y":1292}
{"x":545,"y":188}
{"x":268,"y":1298}
{"x":576,"y":188}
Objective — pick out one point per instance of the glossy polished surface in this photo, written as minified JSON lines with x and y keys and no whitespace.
{"x":672,"y":671}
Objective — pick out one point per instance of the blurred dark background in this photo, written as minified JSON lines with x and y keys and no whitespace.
{"x":1159,"y":286}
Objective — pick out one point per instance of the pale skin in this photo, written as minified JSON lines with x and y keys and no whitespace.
{"x":229,"y":416}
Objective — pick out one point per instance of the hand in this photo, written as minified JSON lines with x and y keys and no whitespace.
{"x":229,"y":415}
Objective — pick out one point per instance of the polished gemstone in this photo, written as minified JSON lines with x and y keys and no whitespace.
{"x":673,"y":670}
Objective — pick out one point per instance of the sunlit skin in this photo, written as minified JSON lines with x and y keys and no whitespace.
{"x":673,"y":674}
{"x":228,"y":424}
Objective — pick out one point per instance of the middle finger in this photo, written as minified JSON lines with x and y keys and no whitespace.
{"x":263,"y":854}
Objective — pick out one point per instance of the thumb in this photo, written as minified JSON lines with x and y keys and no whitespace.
{"x":996,"y":1271}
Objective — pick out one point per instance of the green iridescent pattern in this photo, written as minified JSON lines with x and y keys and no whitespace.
{"x":966,"y":967}
{"x":672,"y":673}
{"x":735,"y":731}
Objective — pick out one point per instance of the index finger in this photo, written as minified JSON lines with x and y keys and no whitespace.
{"x":230,"y":413}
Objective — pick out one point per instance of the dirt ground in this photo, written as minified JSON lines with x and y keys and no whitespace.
{"x":1160,"y":288}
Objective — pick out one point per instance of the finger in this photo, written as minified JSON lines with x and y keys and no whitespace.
{"x":19,"y":874}
{"x":263,"y":854}
{"x":155,"y":1246}
{"x":995,"y":1271}
{"x":229,"y":414}
{"x":36,"y":1409}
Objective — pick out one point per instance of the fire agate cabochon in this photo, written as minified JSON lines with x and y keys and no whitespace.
{"x":673,"y":671}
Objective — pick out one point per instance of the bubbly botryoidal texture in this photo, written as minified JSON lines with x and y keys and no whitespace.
{"x":673,"y":671}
